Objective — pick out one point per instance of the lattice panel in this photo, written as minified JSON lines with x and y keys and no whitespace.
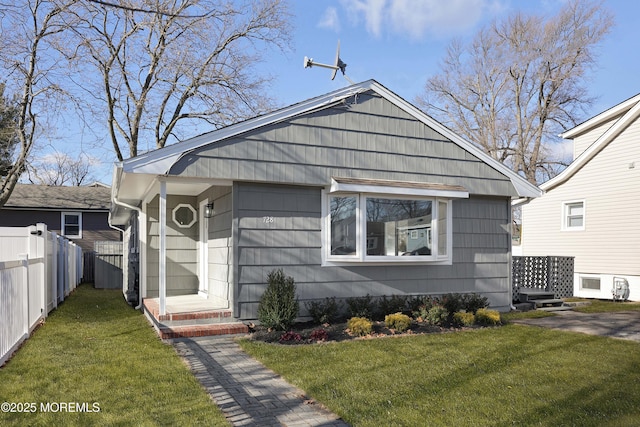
{"x":544,"y":273}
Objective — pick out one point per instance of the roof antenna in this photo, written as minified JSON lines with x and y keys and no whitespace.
{"x":337,"y":65}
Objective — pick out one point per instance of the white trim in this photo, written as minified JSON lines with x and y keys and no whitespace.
{"x":361,"y":257}
{"x":581,"y":277}
{"x":603,"y":117}
{"x":403,"y":191}
{"x":203,"y":255}
{"x":604,"y":140}
{"x":63,"y":214}
{"x":194,"y":214}
{"x":162,"y":252}
{"x":565,"y":215}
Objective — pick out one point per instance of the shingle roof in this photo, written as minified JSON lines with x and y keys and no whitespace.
{"x":30,"y":196}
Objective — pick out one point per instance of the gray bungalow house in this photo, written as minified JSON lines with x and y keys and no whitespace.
{"x":351,"y":193}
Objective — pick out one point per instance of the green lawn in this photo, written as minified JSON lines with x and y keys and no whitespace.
{"x":95,"y":349}
{"x":603,"y":306}
{"x":511,"y":375}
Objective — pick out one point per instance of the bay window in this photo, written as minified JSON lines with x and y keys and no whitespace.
{"x":385,"y":222}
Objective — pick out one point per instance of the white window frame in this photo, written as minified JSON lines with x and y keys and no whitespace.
{"x":194,"y":214}
{"x":598,"y":278}
{"x":361,"y":257}
{"x":565,"y":215}
{"x":63,"y":215}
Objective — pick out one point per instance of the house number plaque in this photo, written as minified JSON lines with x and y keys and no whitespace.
{"x":268,"y":219}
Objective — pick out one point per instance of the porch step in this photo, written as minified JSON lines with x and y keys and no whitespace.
{"x":553,"y":302}
{"x":532,"y":295}
{"x":192,"y":324}
{"x":190,"y":331}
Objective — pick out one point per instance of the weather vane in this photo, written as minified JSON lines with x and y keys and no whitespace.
{"x":337,"y":65}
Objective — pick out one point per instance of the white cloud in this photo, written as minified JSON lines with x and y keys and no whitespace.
{"x":372,"y":11}
{"x":330,"y":20}
{"x":418,"y":19}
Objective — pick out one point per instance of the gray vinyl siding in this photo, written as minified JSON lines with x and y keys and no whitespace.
{"x":608,"y":184}
{"x":481,"y":245}
{"x":182,"y":260}
{"x":368,"y":138}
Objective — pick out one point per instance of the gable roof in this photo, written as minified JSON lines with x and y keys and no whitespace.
{"x":44,"y":197}
{"x":159,"y":162}
{"x":628,"y":111}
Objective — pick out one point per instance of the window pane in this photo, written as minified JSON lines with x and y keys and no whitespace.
{"x":398,"y":227}
{"x":575,"y":215}
{"x":343,"y":225}
{"x":575,"y":221}
{"x":71,"y":230}
{"x":71,"y":220}
{"x":442,"y":229}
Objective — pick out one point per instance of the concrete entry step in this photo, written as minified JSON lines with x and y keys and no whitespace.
{"x":556,"y":308}
{"x":548,"y":302}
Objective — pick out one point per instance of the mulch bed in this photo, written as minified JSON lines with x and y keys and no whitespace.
{"x":338,"y":332}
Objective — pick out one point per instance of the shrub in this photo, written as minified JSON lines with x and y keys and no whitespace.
{"x":360,"y":306}
{"x":291,"y":337}
{"x":325,"y":311}
{"x":463,"y":318}
{"x":452,"y":303}
{"x":278,"y":307}
{"x":424,"y":304}
{"x":474,"y":302}
{"x":398,"y":321}
{"x":487,"y":317}
{"x":319,"y":335}
{"x":394,"y":304}
{"x":359,"y":326}
{"x":437,"y":315}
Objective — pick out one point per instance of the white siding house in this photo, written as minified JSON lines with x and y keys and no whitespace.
{"x":590,"y":211}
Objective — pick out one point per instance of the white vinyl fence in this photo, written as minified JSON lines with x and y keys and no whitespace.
{"x":38,"y":270}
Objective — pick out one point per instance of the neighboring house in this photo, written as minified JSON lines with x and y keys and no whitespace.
{"x":351,"y":193}
{"x":590,"y":210}
{"x":79,"y":213}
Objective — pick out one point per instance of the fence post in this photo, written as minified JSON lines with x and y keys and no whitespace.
{"x":24,"y":259}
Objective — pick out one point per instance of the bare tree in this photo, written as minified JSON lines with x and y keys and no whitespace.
{"x":519,"y":83}
{"x":163,"y":63}
{"x":29,"y":62}
{"x":61,"y":169}
{"x":9,"y":112}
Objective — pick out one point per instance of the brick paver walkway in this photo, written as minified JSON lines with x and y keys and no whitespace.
{"x":248,"y":393}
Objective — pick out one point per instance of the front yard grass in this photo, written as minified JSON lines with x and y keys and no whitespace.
{"x":604,"y":306}
{"x":510,"y":375}
{"x":95,"y":349}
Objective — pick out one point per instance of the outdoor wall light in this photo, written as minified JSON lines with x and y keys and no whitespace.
{"x":208,"y":210}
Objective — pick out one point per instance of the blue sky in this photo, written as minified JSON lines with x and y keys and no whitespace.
{"x":399,"y":43}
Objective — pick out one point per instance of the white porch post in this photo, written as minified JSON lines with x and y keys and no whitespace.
{"x":162,"y":261}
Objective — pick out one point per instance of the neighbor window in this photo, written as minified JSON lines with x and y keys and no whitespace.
{"x":591,"y":283}
{"x":573,"y":216}
{"x":71,"y":225}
